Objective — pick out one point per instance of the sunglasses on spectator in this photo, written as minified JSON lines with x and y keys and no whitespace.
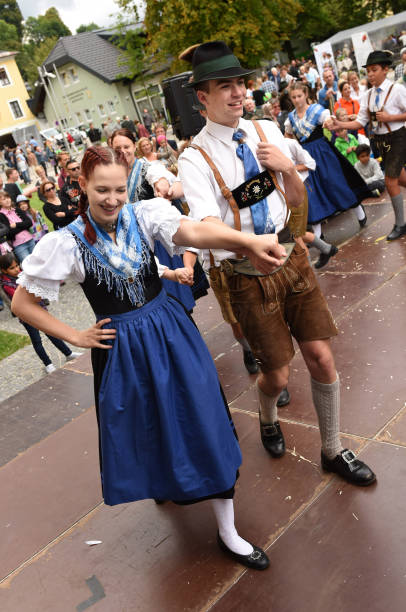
{"x":75,"y":168}
{"x":49,"y":189}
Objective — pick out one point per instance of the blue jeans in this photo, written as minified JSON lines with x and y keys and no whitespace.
{"x":38,"y":346}
{"x":22,"y":250}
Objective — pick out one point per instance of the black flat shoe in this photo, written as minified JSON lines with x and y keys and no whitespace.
{"x":325,"y":257}
{"x":272,"y":439}
{"x":397,"y":232}
{"x":346,"y":465}
{"x":284,"y":398}
{"x":250,"y":362}
{"x":363,"y":222}
{"x":256,"y":560}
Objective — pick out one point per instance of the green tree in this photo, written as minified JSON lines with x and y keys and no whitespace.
{"x":87,"y":28}
{"x":9,"y":40}
{"x":10,"y":12}
{"x":50,"y":25}
{"x":254,"y":29}
{"x":32,"y":56}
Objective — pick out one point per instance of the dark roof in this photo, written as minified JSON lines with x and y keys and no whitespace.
{"x":92,"y":51}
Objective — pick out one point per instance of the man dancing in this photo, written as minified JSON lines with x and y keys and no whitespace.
{"x":253,"y":161}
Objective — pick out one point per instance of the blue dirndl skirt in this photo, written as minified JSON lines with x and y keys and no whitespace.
{"x":183,"y":293}
{"x":163,"y":427}
{"x":330,"y":188}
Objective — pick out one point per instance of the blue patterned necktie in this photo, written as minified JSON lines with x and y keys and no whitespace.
{"x":260,"y":214}
{"x":378,"y":93}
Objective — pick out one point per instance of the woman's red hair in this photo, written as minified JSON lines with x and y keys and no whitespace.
{"x":93,"y":157}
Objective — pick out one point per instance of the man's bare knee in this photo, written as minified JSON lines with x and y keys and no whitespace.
{"x":273,"y":381}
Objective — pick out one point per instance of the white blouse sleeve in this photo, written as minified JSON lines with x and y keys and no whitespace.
{"x":324,"y":116}
{"x":55,"y":258}
{"x":156,"y":170}
{"x":159,"y":220}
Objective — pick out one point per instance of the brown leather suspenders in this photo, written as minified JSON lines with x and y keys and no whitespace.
{"x":226,"y":192}
{"x":383,"y":105}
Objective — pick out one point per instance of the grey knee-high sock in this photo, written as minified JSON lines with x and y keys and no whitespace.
{"x":397,"y":203}
{"x":268,"y":411}
{"x":321,"y":245}
{"x":326,"y":399}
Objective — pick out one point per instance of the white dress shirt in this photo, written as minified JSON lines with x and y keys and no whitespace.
{"x":301,"y":156}
{"x":202,"y":192}
{"x":395,"y":105}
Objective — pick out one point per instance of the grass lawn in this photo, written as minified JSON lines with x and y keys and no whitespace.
{"x":10,"y":343}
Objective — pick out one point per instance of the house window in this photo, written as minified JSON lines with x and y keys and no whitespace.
{"x":88,"y":114}
{"x":110,"y":106}
{"x":73,"y":75}
{"x":65,"y":78}
{"x":16,"y":109}
{"x":4,"y":80}
{"x":79,"y":117}
{"x":101,"y":109}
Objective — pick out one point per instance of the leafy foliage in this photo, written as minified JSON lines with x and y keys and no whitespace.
{"x":10,"y":13}
{"x":39,"y":29}
{"x":252,"y":28}
{"x":9,"y":39}
{"x":87,"y":28}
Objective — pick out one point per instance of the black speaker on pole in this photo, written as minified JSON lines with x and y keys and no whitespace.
{"x":179,"y":102}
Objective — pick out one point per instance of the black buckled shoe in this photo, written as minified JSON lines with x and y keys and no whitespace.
{"x":272,"y":438}
{"x":363,"y":222}
{"x":324,"y":258}
{"x":256,"y":560}
{"x":346,"y":465}
{"x":250,"y":362}
{"x":284,"y":398}
{"x":397,"y":232}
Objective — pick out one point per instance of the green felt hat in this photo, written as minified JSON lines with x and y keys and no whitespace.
{"x":215,"y":60}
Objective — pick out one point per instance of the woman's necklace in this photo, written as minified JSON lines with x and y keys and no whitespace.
{"x":108,"y":227}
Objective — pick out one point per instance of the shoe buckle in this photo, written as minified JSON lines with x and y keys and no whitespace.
{"x":255,"y":555}
{"x":349,"y":457}
{"x":269,"y":430}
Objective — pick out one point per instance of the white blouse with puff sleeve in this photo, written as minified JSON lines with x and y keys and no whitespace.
{"x":57,"y":257}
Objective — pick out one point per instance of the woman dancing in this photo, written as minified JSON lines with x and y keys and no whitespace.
{"x":334,"y":185}
{"x":164,"y":429}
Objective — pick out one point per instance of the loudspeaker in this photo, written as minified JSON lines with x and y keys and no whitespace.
{"x":185,"y":120}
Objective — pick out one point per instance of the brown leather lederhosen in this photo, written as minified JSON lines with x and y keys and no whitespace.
{"x":391,"y":146}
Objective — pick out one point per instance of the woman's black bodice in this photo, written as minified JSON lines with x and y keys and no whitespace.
{"x":104,"y":301}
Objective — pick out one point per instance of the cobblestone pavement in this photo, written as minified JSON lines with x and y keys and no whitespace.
{"x":23,"y":367}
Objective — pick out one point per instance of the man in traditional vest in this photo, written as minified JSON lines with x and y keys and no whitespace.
{"x":253,"y":160}
{"x":384,"y":107}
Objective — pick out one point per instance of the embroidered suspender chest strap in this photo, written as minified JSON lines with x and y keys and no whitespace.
{"x":382,"y":107}
{"x":223,"y":187}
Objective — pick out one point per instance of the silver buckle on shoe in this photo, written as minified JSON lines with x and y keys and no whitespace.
{"x":349,"y":457}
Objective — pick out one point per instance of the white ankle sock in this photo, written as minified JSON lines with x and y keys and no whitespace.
{"x":360,"y":212}
{"x":224,"y":512}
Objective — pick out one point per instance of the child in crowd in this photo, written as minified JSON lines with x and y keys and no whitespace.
{"x":10,"y":269}
{"x":346,"y":143}
{"x":39,"y":228}
{"x":370,"y":170}
{"x":18,"y":227}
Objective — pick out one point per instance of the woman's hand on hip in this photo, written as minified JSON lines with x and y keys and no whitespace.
{"x":94,"y":336}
